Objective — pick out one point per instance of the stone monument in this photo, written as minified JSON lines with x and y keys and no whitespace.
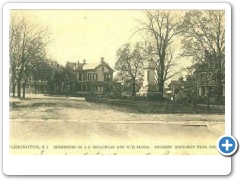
{"x":149,"y":87}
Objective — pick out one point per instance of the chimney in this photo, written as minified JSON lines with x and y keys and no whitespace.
{"x":84,"y":61}
{"x":102,"y":59}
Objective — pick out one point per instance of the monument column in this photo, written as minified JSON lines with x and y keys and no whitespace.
{"x":149,"y":87}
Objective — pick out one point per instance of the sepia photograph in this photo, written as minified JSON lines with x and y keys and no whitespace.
{"x":116,"y":81}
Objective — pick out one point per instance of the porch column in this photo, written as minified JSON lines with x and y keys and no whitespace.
{"x":206,"y":90}
{"x":200,"y":91}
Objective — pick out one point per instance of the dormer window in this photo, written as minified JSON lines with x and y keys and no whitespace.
{"x":102,"y":68}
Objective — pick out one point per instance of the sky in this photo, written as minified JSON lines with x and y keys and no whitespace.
{"x":87,"y":34}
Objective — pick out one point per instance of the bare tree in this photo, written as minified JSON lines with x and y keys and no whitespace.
{"x":27,"y":43}
{"x":160,"y":26}
{"x":15,"y":51}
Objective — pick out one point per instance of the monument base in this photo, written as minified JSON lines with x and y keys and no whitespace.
{"x":150,"y":95}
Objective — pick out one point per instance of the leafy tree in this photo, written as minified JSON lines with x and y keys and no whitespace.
{"x":204,"y":40}
{"x":40,"y":69}
{"x":57,"y":75}
{"x":130,"y":65}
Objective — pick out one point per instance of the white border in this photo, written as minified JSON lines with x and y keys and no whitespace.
{"x":114,"y":165}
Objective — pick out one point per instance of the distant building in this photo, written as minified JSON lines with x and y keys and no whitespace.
{"x":184,"y":88}
{"x":207,"y":83}
{"x":178,"y":89}
{"x":90,"y":78}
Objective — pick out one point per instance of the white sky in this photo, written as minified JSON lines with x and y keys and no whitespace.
{"x":89,"y":34}
{"x":83,"y":34}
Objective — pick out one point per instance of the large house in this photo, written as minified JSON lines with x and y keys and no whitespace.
{"x":90,"y":78}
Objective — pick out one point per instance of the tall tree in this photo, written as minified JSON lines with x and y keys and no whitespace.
{"x":160,"y":26}
{"x":130,"y":65}
{"x":15,"y":51}
{"x":204,"y":40}
{"x":27,"y":43}
{"x":39,"y":70}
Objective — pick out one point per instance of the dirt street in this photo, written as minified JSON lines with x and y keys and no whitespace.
{"x":66,"y":125}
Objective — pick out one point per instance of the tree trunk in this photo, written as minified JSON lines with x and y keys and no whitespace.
{"x":162,"y":75}
{"x":161,"y":86}
{"x":24,"y":85}
{"x":13,"y":92}
{"x":134,"y":87}
{"x":13,"y":88}
{"x":35,"y":87}
{"x":74,"y":89}
{"x":10,"y":89}
{"x":19,"y":88}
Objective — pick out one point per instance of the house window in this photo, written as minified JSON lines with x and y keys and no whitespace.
{"x":89,"y":88}
{"x":94,"y":87}
{"x":102,"y":68}
{"x":84,"y":87}
{"x":80,"y":76}
{"x":89,"y":76}
{"x":107,"y":77}
{"x":148,"y":75}
{"x":106,"y":88}
{"x":84,"y":77}
{"x":203,"y":91}
{"x":101,"y":88}
{"x":80,"y":87}
{"x":94,"y":76}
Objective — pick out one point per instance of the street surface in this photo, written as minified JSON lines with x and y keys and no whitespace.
{"x":67,"y":125}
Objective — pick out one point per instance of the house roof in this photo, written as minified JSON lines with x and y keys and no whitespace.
{"x":71,"y":65}
{"x":87,"y":66}
{"x":92,"y":66}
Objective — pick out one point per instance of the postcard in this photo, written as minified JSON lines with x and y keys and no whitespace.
{"x":110,"y":83}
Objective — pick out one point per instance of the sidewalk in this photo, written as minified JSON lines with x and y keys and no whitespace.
{"x":216,"y":127}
